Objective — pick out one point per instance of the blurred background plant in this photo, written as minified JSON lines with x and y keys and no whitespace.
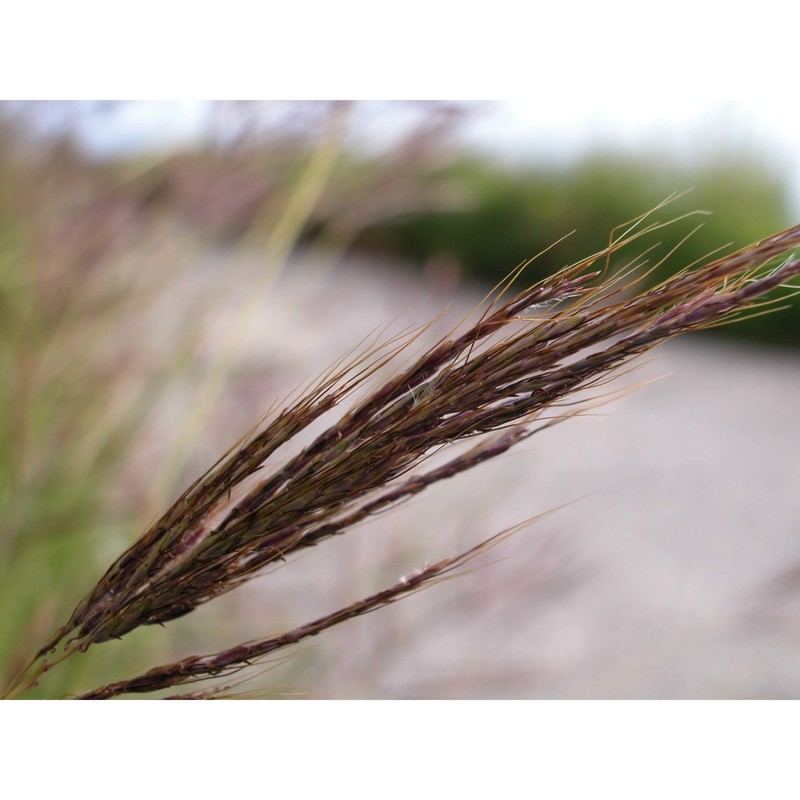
{"x":150,"y":302}
{"x":510,"y":212}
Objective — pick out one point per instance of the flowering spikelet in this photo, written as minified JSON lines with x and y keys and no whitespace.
{"x":524,"y":355}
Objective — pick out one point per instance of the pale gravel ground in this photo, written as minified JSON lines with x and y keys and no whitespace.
{"x":659,"y":583}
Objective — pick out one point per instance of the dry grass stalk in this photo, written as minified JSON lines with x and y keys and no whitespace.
{"x":499,"y":375}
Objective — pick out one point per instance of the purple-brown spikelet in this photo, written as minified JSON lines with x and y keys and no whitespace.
{"x":496,"y":377}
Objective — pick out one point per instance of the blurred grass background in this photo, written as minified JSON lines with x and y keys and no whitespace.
{"x":113,"y":328}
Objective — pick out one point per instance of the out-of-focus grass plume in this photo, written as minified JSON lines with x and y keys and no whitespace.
{"x":102,"y":350}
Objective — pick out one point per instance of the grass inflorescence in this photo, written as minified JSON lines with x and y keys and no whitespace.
{"x":502,"y":378}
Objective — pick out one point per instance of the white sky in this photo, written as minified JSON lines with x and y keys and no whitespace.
{"x":546,"y":123}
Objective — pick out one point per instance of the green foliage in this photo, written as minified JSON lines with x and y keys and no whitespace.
{"x":511,"y":214}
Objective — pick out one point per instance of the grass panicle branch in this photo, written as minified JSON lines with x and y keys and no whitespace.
{"x":526,"y":354}
{"x":227,"y":662}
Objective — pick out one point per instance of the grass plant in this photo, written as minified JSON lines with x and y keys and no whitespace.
{"x":495,"y":381}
